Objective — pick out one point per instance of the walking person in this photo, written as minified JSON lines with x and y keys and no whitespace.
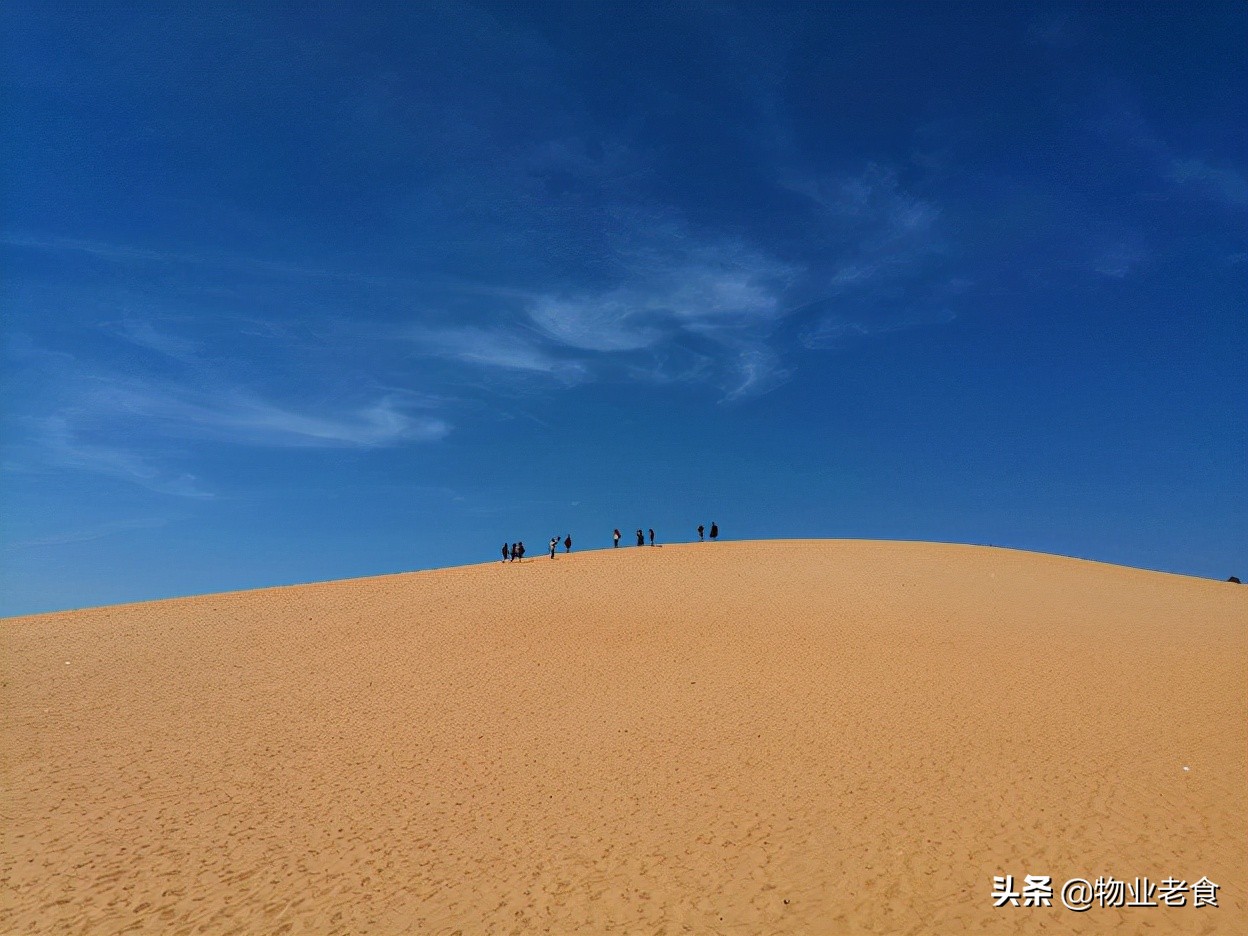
{"x":615,"y":538}
{"x":641,"y":538}
{"x":701,"y":533}
{"x":652,"y":536}
{"x":714,"y":530}
{"x":554,"y":543}
{"x":567,"y":543}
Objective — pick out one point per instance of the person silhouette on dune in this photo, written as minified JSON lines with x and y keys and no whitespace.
{"x":641,"y":538}
{"x":714,"y":530}
{"x":554,"y":542}
{"x":701,"y":533}
{"x":567,"y":543}
{"x":615,"y":538}
{"x":506,"y":552}
{"x":652,"y":536}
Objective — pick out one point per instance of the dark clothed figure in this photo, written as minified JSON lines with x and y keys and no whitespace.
{"x":554,"y":542}
{"x":641,"y":538}
{"x":520,"y":548}
{"x":567,"y":543}
{"x":701,"y":533}
{"x":652,"y":536}
{"x":506,"y":552}
{"x":714,"y":530}
{"x":615,"y":538}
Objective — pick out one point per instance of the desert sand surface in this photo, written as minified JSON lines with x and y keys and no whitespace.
{"x":814,"y":737}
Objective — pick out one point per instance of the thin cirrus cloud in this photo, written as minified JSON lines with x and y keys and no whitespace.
{"x":130,"y":254}
{"x":671,"y":308}
{"x":495,"y":349}
{"x":755,"y":370}
{"x":667,"y":280}
{"x":121,"y":253}
{"x":669,"y":304}
{"x":1218,"y":182}
{"x":888,"y":260}
{"x":616,"y":321}
{"x":205,"y":404}
{"x":1119,"y":261}
{"x":60,"y":443}
{"x":876,"y":229}
{"x":145,"y":433}
{"x":680,"y":308}
{"x":89,"y":534}
{"x":145,"y":335}
{"x":239,"y":416}
{"x":832,"y":328}
{"x":1124,"y":126}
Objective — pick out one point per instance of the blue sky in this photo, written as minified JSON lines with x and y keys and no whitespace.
{"x":293,"y":293}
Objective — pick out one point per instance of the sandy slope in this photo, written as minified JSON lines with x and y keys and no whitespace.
{"x":775,"y":737}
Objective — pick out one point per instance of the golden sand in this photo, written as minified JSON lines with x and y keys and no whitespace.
{"x":769,"y":737}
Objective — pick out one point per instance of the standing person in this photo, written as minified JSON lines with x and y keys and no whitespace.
{"x":652,"y":536}
{"x":641,"y":538}
{"x":512,"y":557}
{"x":714,"y":530}
{"x":506,"y":552}
{"x":520,"y":547}
{"x":554,"y":542}
{"x":567,"y":543}
{"x":701,"y":533}
{"x":615,"y":537}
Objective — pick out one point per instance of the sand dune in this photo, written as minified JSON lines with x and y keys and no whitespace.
{"x":771,"y":737}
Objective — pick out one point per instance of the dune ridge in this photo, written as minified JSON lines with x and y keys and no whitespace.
{"x":817,"y":736}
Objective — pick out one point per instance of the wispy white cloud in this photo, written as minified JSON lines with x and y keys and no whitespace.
{"x":888,"y":254}
{"x":90,"y":534}
{"x":238,"y":416}
{"x":123,"y":253}
{"x":674,"y":364}
{"x":142,"y":333}
{"x":672,"y":282}
{"x":673,"y":287}
{"x":21,"y":347}
{"x":700,"y":277}
{"x":61,"y":444}
{"x":494,"y":348}
{"x":150,"y":432}
{"x":1119,"y":261}
{"x":878,"y":228}
{"x":574,"y":164}
{"x":753,"y":371}
{"x":668,"y":303}
{"x":833,"y":328}
{"x":1218,"y":182}
{"x":617,"y":321}
{"x":682,"y":305}
{"x":1124,"y":126}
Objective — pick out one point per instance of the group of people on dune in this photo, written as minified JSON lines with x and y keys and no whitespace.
{"x":514,"y":551}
